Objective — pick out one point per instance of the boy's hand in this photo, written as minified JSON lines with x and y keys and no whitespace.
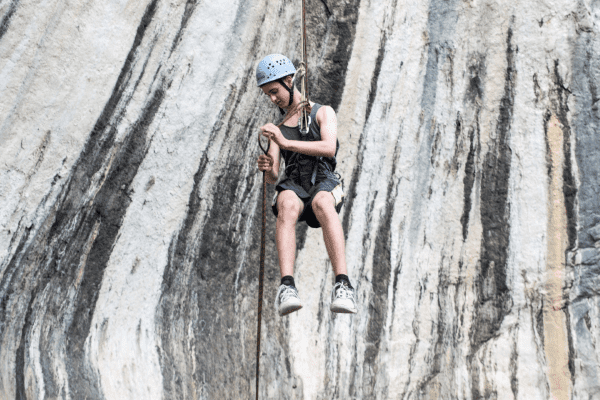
{"x":265,"y":163}
{"x":272,"y":132}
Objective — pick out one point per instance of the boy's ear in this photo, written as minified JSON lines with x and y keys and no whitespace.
{"x":288,"y":81}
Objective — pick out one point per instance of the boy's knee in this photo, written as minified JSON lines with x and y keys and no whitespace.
{"x":322,"y":203}
{"x":288,"y":206}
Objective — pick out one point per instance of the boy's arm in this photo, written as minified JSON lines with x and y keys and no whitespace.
{"x":269,"y":163}
{"x":274,"y":154}
{"x":322,"y":148}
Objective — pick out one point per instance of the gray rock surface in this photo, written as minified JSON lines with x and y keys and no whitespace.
{"x":130,"y":201}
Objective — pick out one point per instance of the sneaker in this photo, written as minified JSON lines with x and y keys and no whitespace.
{"x":287,"y":300}
{"x":343,"y":299}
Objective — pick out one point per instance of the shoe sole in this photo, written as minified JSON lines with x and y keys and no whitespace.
{"x":343,"y":311}
{"x":291,"y":310}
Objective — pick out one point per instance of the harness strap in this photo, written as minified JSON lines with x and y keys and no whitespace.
{"x":313,"y":179}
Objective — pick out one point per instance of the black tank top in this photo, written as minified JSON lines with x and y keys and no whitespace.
{"x":302,"y":168}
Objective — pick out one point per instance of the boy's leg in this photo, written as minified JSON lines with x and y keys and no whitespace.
{"x":289,"y":207}
{"x":323,"y":206}
{"x":343,"y":293}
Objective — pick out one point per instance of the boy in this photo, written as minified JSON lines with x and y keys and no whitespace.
{"x":309,"y":190}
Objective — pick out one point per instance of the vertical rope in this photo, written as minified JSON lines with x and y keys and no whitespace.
{"x":304,"y":84}
{"x":304,"y":51}
{"x":261,"y":275}
{"x":261,"y":271}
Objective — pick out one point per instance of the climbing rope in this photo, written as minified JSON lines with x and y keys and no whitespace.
{"x":305,"y":108}
{"x":304,"y":117}
{"x":261,"y":271}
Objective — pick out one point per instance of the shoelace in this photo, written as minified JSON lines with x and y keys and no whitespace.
{"x":341,"y":290}
{"x":286,"y":293}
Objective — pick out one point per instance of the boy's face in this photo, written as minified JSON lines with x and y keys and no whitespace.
{"x":277,"y":93}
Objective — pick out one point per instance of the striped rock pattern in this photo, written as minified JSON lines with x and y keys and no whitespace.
{"x":130,"y":200}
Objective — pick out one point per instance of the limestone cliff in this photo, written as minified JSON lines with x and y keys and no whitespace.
{"x":130,"y":200}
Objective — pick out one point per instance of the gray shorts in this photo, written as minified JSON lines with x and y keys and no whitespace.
{"x":307,"y":214}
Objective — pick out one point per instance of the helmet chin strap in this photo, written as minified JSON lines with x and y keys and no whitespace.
{"x":289,"y":89}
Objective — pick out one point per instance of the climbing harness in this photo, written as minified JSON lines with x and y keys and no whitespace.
{"x":271,"y":68}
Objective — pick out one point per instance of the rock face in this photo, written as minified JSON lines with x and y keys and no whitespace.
{"x":130,"y":201}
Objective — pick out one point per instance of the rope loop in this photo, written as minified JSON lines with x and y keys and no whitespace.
{"x":260,"y":136}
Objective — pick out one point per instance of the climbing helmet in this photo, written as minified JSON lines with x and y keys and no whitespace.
{"x":272,"y":68}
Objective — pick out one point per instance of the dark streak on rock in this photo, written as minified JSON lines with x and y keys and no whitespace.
{"x":366,"y":239}
{"x":378,"y":300}
{"x":412,"y":363}
{"x":570,"y":341}
{"x":324,"y":296}
{"x":560,"y":99}
{"x":301,"y":233}
{"x":559,"y":96}
{"x":54,"y":255}
{"x":177,"y":272}
{"x":539,"y":322}
{"x":327,"y":79}
{"x":7,"y":17}
{"x":429,"y":381}
{"x":190,"y":6}
{"x":351,"y":194}
{"x":110,"y":206}
{"x":537,"y":90}
{"x":547,"y":117}
{"x":458,"y":144}
{"x":514,"y":365}
{"x":475,"y":89}
{"x":437,"y":137}
{"x":474,"y":100}
{"x":20,"y":356}
{"x":397,"y":272}
{"x":468,"y":182}
{"x":176,"y":296}
{"x":40,"y":153}
{"x":6,"y":281}
{"x":494,"y":300}
{"x":327,"y":10}
{"x":375,"y":78}
{"x":122,"y":81}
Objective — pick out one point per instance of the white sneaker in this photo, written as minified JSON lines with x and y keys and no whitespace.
{"x":287,"y":300}
{"x":343,"y":299}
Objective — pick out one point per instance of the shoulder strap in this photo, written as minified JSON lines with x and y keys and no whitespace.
{"x":314,"y":128}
